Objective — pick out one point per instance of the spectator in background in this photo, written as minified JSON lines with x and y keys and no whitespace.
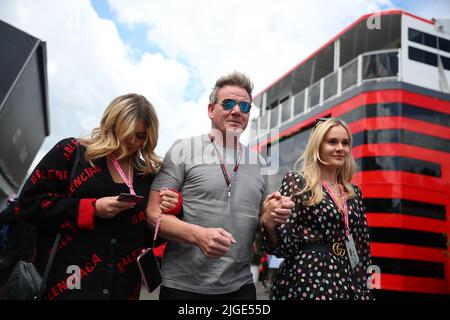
{"x":273,"y":267}
{"x":263,"y":269}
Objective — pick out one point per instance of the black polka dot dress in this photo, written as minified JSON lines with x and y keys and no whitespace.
{"x":318,"y":275}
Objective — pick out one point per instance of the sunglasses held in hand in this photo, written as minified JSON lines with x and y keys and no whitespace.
{"x":229,"y":104}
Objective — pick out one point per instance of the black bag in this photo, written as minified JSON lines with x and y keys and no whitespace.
{"x":25,"y":282}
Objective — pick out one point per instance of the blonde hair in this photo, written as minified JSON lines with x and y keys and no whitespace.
{"x":118,"y":123}
{"x":312,"y":192}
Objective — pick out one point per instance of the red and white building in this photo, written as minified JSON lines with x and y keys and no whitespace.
{"x":388,"y":76}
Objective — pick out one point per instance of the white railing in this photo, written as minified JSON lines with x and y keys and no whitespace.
{"x":367,"y":67}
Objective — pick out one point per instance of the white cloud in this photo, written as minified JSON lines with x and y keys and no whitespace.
{"x":432,"y":9}
{"x":263,"y":38}
{"x":89,"y":65}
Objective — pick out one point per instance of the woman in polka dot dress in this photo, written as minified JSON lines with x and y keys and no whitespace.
{"x":327,"y":222}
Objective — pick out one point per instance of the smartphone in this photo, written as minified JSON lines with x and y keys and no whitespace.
{"x":127,"y":197}
{"x":149,"y":268}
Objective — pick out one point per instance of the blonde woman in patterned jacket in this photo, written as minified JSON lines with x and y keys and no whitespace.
{"x":325,"y":242}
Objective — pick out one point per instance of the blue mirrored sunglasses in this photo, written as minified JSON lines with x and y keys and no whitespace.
{"x":229,"y":104}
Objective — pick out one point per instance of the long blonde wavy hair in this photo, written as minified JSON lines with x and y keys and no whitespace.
{"x":118,"y":123}
{"x":312,"y":192}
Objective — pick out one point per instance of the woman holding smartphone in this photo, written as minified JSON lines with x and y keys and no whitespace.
{"x":101,"y":235}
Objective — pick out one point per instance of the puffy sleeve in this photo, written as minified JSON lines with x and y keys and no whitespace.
{"x":46,"y":199}
{"x":288,"y":233}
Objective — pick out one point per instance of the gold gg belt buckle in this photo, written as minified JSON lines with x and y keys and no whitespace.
{"x":338,"y":249}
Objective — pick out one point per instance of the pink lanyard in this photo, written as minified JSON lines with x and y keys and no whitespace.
{"x":344,"y":200}
{"x":129,"y":182}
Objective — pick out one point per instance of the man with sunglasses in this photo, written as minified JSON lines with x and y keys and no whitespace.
{"x":223,"y":193}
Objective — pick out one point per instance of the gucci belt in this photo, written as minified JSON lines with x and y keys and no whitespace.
{"x":336,"y":248}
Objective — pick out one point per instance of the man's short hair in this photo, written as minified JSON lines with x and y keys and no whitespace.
{"x":235,"y":78}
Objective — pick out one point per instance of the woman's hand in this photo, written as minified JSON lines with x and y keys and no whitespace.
{"x":109,"y":207}
{"x":169,"y":199}
{"x":276,"y":209}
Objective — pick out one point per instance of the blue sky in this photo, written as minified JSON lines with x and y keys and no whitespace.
{"x":172,"y":51}
{"x":136,"y":37}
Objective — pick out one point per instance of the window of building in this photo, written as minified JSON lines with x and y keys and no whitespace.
{"x":285,"y":111}
{"x":422,"y":56}
{"x":444,"y":44}
{"x":422,"y":38}
{"x":380,"y":65}
{"x":397,"y":163}
{"x":406,"y":207}
{"x":330,"y":86}
{"x":299,"y":103}
{"x":350,"y":74}
{"x":314,"y":95}
{"x":445,"y":62}
{"x":274,"y":117}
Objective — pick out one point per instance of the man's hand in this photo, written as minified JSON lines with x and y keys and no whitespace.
{"x":214,"y":242}
{"x":276,"y":209}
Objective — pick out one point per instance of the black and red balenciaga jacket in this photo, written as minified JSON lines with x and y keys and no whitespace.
{"x":103,"y":250}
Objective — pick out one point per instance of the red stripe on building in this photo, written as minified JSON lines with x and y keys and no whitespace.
{"x":388,"y":191}
{"x":383,"y":123}
{"x":403,"y":221}
{"x":416,"y":186}
{"x":390,"y":96}
{"x":401,"y":251}
{"x":419,"y":18}
{"x":413,"y":284}
{"x":404,"y":150}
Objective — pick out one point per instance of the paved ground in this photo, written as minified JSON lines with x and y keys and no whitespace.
{"x":260,"y":293}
